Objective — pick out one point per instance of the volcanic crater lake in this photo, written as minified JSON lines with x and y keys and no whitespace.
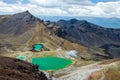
{"x":51,"y":63}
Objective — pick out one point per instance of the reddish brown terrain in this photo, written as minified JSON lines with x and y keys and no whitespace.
{"x":14,"y":69}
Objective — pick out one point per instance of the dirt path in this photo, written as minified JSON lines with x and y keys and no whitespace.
{"x":82,"y":73}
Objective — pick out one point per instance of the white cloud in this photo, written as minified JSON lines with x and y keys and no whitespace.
{"x":78,"y":2}
{"x":59,"y":3}
{"x":64,"y":8}
{"x":46,"y":3}
{"x":101,"y":9}
{"x":110,"y":9}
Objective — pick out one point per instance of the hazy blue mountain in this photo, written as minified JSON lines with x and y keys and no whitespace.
{"x":105,"y":22}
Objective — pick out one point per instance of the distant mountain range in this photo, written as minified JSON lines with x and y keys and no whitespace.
{"x":105,"y":22}
{"x":90,"y":35}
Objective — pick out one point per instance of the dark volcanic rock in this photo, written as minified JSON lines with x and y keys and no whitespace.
{"x":18,"y":23}
{"x":90,"y":34}
{"x":113,"y":50}
{"x":14,"y":69}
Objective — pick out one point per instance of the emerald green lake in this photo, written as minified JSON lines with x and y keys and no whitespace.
{"x":51,"y":63}
{"x":37,"y":47}
{"x":21,"y":57}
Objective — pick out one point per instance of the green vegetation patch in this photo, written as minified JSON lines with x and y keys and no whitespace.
{"x":51,"y":63}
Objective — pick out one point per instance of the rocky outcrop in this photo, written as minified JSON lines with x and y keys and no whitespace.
{"x":14,"y":69}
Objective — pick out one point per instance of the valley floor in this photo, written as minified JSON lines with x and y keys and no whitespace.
{"x":81,"y":70}
{"x":96,"y":71}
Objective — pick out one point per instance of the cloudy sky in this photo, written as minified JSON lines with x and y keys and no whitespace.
{"x":96,"y":8}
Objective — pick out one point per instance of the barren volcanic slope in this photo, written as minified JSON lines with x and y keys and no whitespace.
{"x":106,"y":70}
{"x":14,"y":69}
{"x":20,"y":31}
{"x":92,"y":35}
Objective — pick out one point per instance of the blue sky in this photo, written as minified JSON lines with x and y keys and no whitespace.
{"x":15,"y":1}
{"x":96,"y":1}
{"x":94,"y":8}
{"x":27,"y":1}
{"x":9,"y":1}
